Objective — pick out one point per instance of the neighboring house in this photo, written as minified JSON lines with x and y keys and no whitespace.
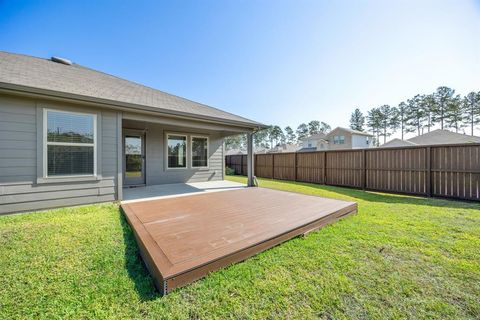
{"x":398,"y":143}
{"x":338,"y":138}
{"x":345,"y":138}
{"x":314,"y":142}
{"x":283,"y":148}
{"x":71,"y":135}
{"x":431,"y":138}
{"x":234,"y":152}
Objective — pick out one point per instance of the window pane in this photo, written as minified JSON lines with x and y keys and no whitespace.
{"x":133,"y":145}
{"x":69,"y":160}
{"x":133,"y":156}
{"x":69,"y":127}
{"x":199,"y":152}
{"x":177,"y":152}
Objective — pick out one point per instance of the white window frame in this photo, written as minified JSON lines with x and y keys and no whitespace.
{"x":168,"y":134}
{"x":337,"y":140}
{"x":46,"y":143}
{"x":191,"y":151}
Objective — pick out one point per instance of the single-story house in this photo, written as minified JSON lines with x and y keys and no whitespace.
{"x":71,"y":135}
{"x":434,"y":137}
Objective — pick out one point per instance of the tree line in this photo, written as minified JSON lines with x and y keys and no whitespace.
{"x":274,"y":135}
{"x":443,"y":107}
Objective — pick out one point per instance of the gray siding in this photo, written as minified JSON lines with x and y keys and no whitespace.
{"x":156,"y":171}
{"x":19,"y":188}
{"x":23,"y":188}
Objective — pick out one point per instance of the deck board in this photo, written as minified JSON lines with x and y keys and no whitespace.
{"x":182,"y":239}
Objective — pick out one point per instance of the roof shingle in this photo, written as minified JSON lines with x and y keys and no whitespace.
{"x":43,"y":74}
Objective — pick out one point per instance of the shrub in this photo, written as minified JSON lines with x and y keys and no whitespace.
{"x":229,"y":171}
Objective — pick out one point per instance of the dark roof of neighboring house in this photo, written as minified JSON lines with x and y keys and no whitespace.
{"x":351,"y":131}
{"x":283,"y":148}
{"x":434,"y":137}
{"x":43,"y":76}
{"x":307,"y":149}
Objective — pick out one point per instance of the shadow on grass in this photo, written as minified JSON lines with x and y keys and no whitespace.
{"x":137,"y":270}
{"x":378,"y":196}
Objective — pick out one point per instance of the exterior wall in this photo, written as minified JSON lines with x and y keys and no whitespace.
{"x":339,"y":132}
{"x":22,"y":186}
{"x":359,"y":141}
{"x":309,"y":143}
{"x":155,"y":154}
{"x":352,"y":141}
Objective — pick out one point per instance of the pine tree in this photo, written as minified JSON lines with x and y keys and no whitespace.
{"x":357,"y":120}
{"x":313,"y":127}
{"x":275,"y":134}
{"x":443,"y":96}
{"x":388,"y":122}
{"x":290,"y":135}
{"x":236,"y":142}
{"x":454,"y":113}
{"x":428,"y":104}
{"x":402,"y":118}
{"x":325,"y":127}
{"x":260,"y":138}
{"x":374,"y":123}
{"x":302,"y":131}
{"x":416,"y":114}
{"x":471,"y":107}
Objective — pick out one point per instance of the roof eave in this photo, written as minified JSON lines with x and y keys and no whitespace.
{"x":112,"y":103}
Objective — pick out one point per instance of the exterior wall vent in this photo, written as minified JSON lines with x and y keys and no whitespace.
{"x":62,"y":61}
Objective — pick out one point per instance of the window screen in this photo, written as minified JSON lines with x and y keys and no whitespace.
{"x":199,"y":152}
{"x":70,"y":144}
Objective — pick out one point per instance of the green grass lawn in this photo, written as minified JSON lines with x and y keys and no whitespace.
{"x":399,"y":257}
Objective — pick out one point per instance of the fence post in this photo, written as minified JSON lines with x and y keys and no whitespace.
{"x":428,"y":155}
{"x":325,"y":167}
{"x":364,"y":172}
{"x":295,"y":166}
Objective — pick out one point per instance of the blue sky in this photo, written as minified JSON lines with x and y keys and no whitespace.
{"x":279,"y":62}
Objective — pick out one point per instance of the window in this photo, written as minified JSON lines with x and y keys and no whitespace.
{"x":69,"y":143}
{"x":199,"y":152}
{"x":177,"y":151}
{"x":367,"y":141}
{"x":338,"y":139}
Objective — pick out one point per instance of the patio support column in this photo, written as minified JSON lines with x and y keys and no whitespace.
{"x":250,"y":164}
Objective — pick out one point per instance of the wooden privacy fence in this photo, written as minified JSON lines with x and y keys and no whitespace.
{"x":451,"y":171}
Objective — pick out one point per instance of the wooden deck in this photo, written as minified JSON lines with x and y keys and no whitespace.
{"x":182,"y":239}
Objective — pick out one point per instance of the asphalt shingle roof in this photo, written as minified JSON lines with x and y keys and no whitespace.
{"x":434,"y":137}
{"x":443,"y":137}
{"x":44,"y":74}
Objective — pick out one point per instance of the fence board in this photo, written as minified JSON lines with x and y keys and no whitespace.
{"x":310,"y":167}
{"x":284,"y":166}
{"x":264,"y":165}
{"x":439,"y":170}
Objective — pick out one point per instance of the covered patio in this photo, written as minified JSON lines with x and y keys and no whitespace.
{"x":183,"y":238}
